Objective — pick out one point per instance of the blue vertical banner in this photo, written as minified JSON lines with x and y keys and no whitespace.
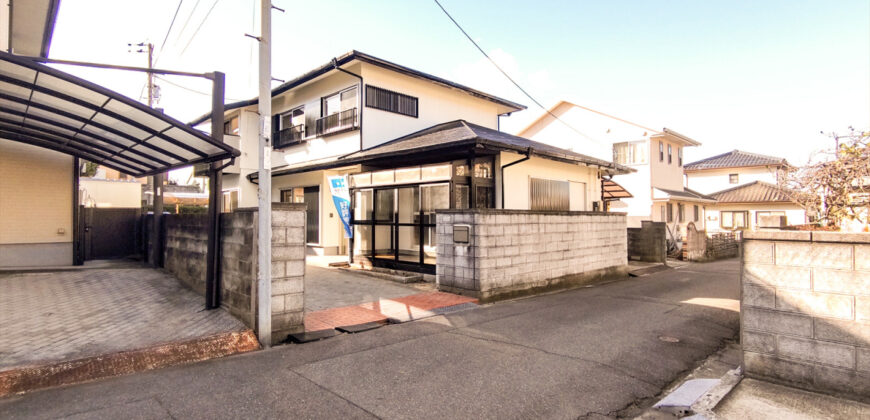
{"x":341,"y":198}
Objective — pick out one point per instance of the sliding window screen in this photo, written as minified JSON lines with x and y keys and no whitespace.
{"x":546,"y":194}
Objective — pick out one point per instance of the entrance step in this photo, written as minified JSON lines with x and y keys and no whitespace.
{"x":386,"y":274}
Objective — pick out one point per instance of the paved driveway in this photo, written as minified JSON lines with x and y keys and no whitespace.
{"x":331,"y":288}
{"x":49,"y":317}
{"x":585,"y":353}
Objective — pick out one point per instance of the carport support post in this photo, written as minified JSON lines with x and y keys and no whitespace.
{"x":213,"y":257}
{"x":157,"y":250}
{"x":264,"y":186}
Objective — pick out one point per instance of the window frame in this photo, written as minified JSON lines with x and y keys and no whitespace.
{"x":670,"y":154}
{"x":324,"y":99}
{"x":680,"y":156}
{"x":552,"y":200}
{"x":670,"y":212}
{"x":661,"y":151}
{"x":732,"y":214}
{"x":733,"y":179}
{"x":697,"y":213}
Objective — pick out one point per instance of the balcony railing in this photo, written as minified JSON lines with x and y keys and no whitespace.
{"x":341,"y":121}
{"x":289,"y":136}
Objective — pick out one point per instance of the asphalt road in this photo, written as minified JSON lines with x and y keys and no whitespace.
{"x":591,"y":352}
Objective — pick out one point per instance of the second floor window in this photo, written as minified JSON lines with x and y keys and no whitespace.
{"x":338,"y":112}
{"x":231,"y":126}
{"x":732,"y":179}
{"x":661,"y":152}
{"x":670,"y":155}
{"x":680,"y":156}
{"x":387,"y":100}
{"x":339,"y":102}
{"x":632,"y":153}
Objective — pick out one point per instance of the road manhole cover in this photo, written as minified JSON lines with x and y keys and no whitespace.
{"x":669,"y":339}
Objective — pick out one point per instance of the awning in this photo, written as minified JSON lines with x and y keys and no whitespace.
{"x":45,"y":107}
{"x":612,"y":191}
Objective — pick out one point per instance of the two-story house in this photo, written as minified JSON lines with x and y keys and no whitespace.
{"x":656,"y":185}
{"x":745,"y":187}
{"x":410,"y":143}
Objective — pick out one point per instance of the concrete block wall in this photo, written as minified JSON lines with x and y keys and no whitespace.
{"x":288,"y":269}
{"x":185,"y":257}
{"x":513,"y":252}
{"x":648,"y":242}
{"x":805,"y":310}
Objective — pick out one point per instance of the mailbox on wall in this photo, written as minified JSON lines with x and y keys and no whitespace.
{"x":461,"y":234}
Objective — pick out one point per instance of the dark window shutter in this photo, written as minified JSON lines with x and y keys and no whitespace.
{"x":276,"y":120}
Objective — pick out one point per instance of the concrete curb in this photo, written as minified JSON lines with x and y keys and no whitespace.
{"x":34,"y":377}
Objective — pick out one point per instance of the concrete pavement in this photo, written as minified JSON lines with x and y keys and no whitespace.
{"x":591,"y":352}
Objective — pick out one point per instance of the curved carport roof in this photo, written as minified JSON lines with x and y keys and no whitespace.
{"x":45,"y":107}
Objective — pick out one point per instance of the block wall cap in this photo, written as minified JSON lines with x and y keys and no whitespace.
{"x":804,"y":236}
{"x":528,"y":212}
{"x":275,"y":206}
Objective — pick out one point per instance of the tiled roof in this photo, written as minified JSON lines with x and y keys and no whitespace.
{"x":453,"y":134}
{"x":754,"y":192}
{"x":686,"y":193}
{"x":734,"y":159}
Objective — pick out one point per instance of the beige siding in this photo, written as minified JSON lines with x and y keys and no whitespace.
{"x":516,"y":185}
{"x":35,"y":195}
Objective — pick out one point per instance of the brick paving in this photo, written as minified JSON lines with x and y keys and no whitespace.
{"x":400,"y":309}
{"x":49,"y":317}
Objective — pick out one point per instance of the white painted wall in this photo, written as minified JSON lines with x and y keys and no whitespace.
{"x":715,"y":180}
{"x":110,"y":193}
{"x":516,"y":180}
{"x":436,"y":104}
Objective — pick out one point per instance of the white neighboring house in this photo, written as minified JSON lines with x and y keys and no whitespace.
{"x":657,"y":156}
{"x":745,"y":187}
{"x":410,"y":143}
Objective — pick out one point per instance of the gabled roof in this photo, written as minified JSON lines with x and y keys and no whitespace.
{"x":684,"y":194}
{"x":450,"y":136}
{"x":366,"y":58}
{"x":563,"y":103}
{"x":735,"y":159}
{"x":753,"y":192}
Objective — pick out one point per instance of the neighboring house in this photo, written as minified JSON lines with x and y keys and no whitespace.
{"x":411,"y":143}
{"x":656,"y":187}
{"x":177,"y":195}
{"x":102,"y":192}
{"x":745,"y":187}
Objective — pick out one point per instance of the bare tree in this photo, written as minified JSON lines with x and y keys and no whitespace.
{"x":836,"y":187}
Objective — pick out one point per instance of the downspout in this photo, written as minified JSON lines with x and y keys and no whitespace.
{"x":503,"y":167}
{"x":361,"y":99}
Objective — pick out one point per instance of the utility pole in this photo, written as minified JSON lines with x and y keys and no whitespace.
{"x":264,"y":187}
{"x":156,"y":180}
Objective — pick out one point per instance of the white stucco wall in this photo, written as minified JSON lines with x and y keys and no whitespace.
{"x":110,"y":193}
{"x":436,"y":104}
{"x":516,"y":180}
{"x":715,"y":180}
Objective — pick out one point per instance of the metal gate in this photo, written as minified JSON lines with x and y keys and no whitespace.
{"x":109,"y":232}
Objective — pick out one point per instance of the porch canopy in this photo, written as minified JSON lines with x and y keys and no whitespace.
{"x":45,"y":107}
{"x":448,"y":141}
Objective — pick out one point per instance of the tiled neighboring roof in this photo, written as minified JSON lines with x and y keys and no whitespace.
{"x":735,"y":159}
{"x":754,"y":192}
{"x":452,"y":134}
{"x":686,"y":193}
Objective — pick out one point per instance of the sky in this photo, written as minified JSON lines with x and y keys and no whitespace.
{"x":771,"y":77}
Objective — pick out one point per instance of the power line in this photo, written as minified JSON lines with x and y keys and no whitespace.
{"x":191,"y":89}
{"x":508,"y":77}
{"x":192,"y":11}
{"x":192,"y":37}
{"x":168,"y":31}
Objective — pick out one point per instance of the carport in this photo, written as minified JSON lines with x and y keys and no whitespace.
{"x":45,"y":107}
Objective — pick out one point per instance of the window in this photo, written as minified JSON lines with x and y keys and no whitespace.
{"x":670,"y":155}
{"x":545,"y":194}
{"x":681,"y":213}
{"x":630,"y":153}
{"x":229,"y":201}
{"x":311,"y":197}
{"x":291,"y":127}
{"x":697,"y":213}
{"x":733,"y":219}
{"x":670,"y":212}
{"x":231,"y":126}
{"x":680,"y":156}
{"x":664,"y":216}
{"x":338,"y":112}
{"x":732,"y":178}
{"x":661,"y":152}
{"x":387,"y":100}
